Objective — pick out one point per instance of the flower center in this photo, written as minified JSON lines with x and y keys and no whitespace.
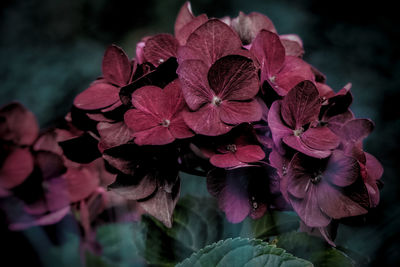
{"x":272,"y":79}
{"x":165,"y":123}
{"x":298,"y":132}
{"x":317,"y":178}
{"x":216,"y":101}
{"x":232,"y":148}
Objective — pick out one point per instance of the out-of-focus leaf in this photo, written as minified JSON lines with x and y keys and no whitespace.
{"x":243,"y":252}
{"x":313,"y":249}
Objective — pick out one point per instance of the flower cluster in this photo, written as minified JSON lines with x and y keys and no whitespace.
{"x":229,"y":99}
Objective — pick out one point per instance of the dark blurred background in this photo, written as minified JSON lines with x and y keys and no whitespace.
{"x":51,"y":50}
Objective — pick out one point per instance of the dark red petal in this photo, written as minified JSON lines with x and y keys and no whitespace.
{"x":293,"y":45}
{"x":296,"y":143}
{"x":158,"y":135}
{"x":162,"y":204}
{"x":150,"y":99}
{"x":82,"y":182}
{"x":183,"y":34}
{"x":113,"y":134}
{"x":301,"y":105}
{"x":278,"y":129}
{"x":233,"y":78}
{"x":356,"y":130}
{"x":116,"y":66}
{"x":269,"y":51}
{"x":97,"y":96}
{"x":248,"y":26}
{"x":195,"y":88}
{"x":174,"y":98}
{"x":293,"y":72}
{"x":249,"y":153}
{"x":336,"y":205}
{"x":211,"y":41}
{"x":206,"y":121}
{"x":159,"y":48}
{"x":235,"y":112}
{"x":179,"y":129}
{"x":309,"y":210}
{"x":341,"y":170}
{"x":18,"y":124}
{"x":185,"y":15}
{"x":226,"y":160}
{"x":320,"y":138}
{"x":138,"y":120}
{"x":17,"y":166}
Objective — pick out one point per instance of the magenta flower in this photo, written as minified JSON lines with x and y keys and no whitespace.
{"x":186,"y":23}
{"x":104,"y":93}
{"x":280,"y":71}
{"x":221,"y":96}
{"x":291,"y":121}
{"x":157,"y":119}
{"x":319,"y":190}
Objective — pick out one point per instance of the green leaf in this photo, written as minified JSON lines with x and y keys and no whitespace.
{"x":313,"y":249}
{"x":243,"y":252}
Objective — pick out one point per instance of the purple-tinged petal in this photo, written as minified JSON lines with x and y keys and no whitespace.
{"x":18,"y":124}
{"x":183,"y":34}
{"x":138,"y":120}
{"x":97,"y":96}
{"x":233,"y":78}
{"x":206,"y":121}
{"x":116,"y":66}
{"x":341,"y":170}
{"x":301,"y":105}
{"x":277,"y":126}
{"x":195,"y":88}
{"x":335,"y":123}
{"x":298,"y":179}
{"x":373,"y":167}
{"x":269,"y":51}
{"x":249,"y":153}
{"x":320,"y":138}
{"x":356,"y":130}
{"x":294,"y":71}
{"x":56,"y":193}
{"x":248,"y":26}
{"x":235,"y":112}
{"x":158,"y":135}
{"x":211,"y":41}
{"x":113,"y":134}
{"x":296,"y":143}
{"x":159,"y":48}
{"x":293,"y":45}
{"x":17,"y":166}
{"x":226,"y":160}
{"x":309,"y":210}
{"x":336,"y":205}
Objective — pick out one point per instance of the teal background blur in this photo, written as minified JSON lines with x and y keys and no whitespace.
{"x":51,"y":50}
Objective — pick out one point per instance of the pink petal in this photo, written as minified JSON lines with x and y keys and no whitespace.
{"x":114,"y":134}
{"x":18,"y":124}
{"x":249,"y":153}
{"x":336,"y":205}
{"x":341,"y":170}
{"x":81,"y":183}
{"x":248,"y":26}
{"x":159,"y":48}
{"x":235,"y":112}
{"x":296,"y":143}
{"x":293,"y":45}
{"x":185,"y":15}
{"x":308,"y":209}
{"x":206,"y":121}
{"x":174,"y":98}
{"x":138,"y":120}
{"x":234,"y":78}
{"x":158,"y":135}
{"x":116,"y":66}
{"x":195,"y":88}
{"x":278,"y":129}
{"x":320,"y":138}
{"x":16,"y":167}
{"x":139,"y":52}
{"x":293,"y":72}
{"x":183,"y":34}
{"x":373,"y":167}
{"x":226,"y":160}
{"x":97,"y":96}
{"x":150,"y":99}
{"x":301,"y":105}
{"x":179,"y":129}
{"x":211,"y":41}
{"x":269,"y":51}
